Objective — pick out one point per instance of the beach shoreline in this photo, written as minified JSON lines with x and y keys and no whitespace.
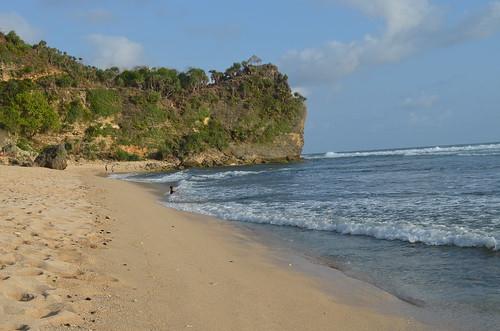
{"x":327,"y":273}
{"x":156,"y":268}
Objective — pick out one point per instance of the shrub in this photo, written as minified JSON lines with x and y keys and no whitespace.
{"x":94,"y":131}
{"x":104,"y":102}
{"x":165,"y":150}
{"x":122,"y":155}
{"x":191,"y":143}
{"x":10,"y":89}
{"x":65,"y":81}
{"x":146,"y":98}
{"x":89,"y":151}
{"x":76,"y":112}
{"x":213,"y":135}
{"x":10,"y":118}
{"x":27,"y":70}
{"x":14,"y":39}
{"x":29,"y":113}
{"x":24,"y":144}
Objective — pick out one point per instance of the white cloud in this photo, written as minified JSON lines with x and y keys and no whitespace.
{"x":424,"y":110}
{"x":423,"y":101}
{"x":400,"y":15}
{"x":12,"y":21}
{"x":411,"y":26}
{"x":115,"y":51}
{"x":484,"y":23}
{"x":429,"y":117}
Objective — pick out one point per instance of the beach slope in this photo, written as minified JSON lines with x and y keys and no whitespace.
{"x":84,"y":250}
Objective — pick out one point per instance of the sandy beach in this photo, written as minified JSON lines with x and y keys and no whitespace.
{"x":80,"y":251}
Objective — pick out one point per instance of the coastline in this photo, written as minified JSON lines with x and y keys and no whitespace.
{"x":173,"y":270}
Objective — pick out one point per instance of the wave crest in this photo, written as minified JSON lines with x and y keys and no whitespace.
{"x":415,"y":234}
{"x":416,"y":152}
{"x":181,"y":175}
{"x":429,"y":235}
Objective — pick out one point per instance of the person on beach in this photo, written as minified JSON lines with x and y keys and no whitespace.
{"x":172,"y":190}
{"x":106,"y":167}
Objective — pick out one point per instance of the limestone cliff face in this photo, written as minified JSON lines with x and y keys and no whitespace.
{"x":283,"y":148}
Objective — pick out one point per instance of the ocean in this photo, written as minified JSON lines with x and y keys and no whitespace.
{"x":421,"y":223}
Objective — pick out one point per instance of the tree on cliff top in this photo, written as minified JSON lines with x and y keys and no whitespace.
{"x":193,"y":79}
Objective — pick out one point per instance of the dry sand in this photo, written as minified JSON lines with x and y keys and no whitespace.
{"x":46,"y":226}
{"x":79,"y":251}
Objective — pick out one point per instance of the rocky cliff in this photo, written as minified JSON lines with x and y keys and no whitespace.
{"x":246,"y":114}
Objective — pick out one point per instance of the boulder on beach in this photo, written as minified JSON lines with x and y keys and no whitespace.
{"x":53,"y":157}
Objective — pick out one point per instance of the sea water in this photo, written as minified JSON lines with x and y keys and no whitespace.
{"x":421,"y":223}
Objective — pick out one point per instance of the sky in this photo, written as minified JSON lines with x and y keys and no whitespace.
{"x":377,"y":74}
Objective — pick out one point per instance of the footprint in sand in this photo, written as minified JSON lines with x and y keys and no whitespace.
{"x":25,"y":297}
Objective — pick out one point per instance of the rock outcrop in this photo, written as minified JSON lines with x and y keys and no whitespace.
{"x":283,"y":149}
{"x":53,"y":157}
{"x":17,"y":156}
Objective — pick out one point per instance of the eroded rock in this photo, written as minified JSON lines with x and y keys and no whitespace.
{"x":53,"y":157}
{"x":17,"y":156}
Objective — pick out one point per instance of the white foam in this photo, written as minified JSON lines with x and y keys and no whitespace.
{"x":418,"y":234}
{"x":161,"y":178}
{"x":228,"y":174}
{"x":182,"y":175}
{"x":413,"y":233}
{"x":413,"y":151}
{"x":122,"y":176}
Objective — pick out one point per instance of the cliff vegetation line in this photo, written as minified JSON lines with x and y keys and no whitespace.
{"x":246,"y":114}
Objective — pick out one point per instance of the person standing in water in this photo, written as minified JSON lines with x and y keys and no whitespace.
{"x":172,"y":190}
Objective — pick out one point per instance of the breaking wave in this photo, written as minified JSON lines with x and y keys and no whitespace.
{"x":181,"y":175}
{"x":412,"y":233}
{"x":483,"y":149}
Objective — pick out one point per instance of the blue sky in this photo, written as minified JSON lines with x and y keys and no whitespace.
{"x":377,"y":73}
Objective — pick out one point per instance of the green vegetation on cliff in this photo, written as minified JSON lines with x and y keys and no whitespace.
{"x":47,"y":96}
